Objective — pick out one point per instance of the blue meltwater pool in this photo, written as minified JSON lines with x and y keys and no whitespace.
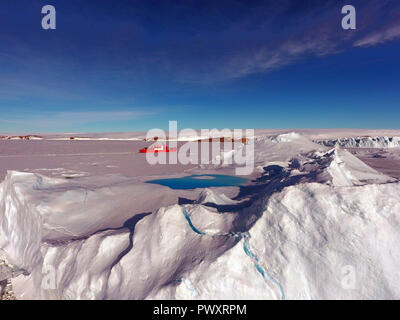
{"x":200,"y":181}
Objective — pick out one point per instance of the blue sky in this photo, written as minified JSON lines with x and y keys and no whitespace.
{"x":135,"y":65}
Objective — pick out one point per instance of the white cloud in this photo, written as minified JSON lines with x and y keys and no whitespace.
{"x":379,"y":37}
{"x":264,"y":59}
{"x":98,"y":116}
{"x":61,"y":119}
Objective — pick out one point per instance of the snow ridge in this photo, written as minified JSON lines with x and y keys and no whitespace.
{"x":348,"y":170}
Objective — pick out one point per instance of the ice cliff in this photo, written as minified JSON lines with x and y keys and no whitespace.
{"x":362,"y":142}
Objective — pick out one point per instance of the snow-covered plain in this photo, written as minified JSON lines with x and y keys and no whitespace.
{"x":315,"y":222}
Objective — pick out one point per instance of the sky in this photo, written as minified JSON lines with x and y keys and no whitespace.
{"x":135,"y":65}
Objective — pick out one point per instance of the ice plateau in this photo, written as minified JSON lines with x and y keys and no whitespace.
{"x":315,"y":223}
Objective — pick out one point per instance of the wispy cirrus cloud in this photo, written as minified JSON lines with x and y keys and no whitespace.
{"x":56,"y":120}
{"x":215,"y":44}
{"x":97,"y":116}
{"x":265,"y":59}
{"x":316,"y":32}
{"x":375,"y":38}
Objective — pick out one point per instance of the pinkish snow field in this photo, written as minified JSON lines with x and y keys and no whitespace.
{"x":58,"y":156}
{"x":80,"y":158}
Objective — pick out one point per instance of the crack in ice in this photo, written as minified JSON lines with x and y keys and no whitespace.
{"x":246,"y":248}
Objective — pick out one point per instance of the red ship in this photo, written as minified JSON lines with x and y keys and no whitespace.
{"x":157,"y":149}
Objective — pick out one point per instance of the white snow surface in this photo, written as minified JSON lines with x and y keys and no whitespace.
{"x":208,"y":196}
{"x":307,"y":239}
{"x":117,"y":238}
{"x":348,"y":170}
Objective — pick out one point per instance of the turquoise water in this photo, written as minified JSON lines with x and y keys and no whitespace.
{"x":187,"y":217}
{"x":247,"y":250}
{"x":200,"y":181}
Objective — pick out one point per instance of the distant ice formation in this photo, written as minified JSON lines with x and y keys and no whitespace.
{"x":362,"y":142}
